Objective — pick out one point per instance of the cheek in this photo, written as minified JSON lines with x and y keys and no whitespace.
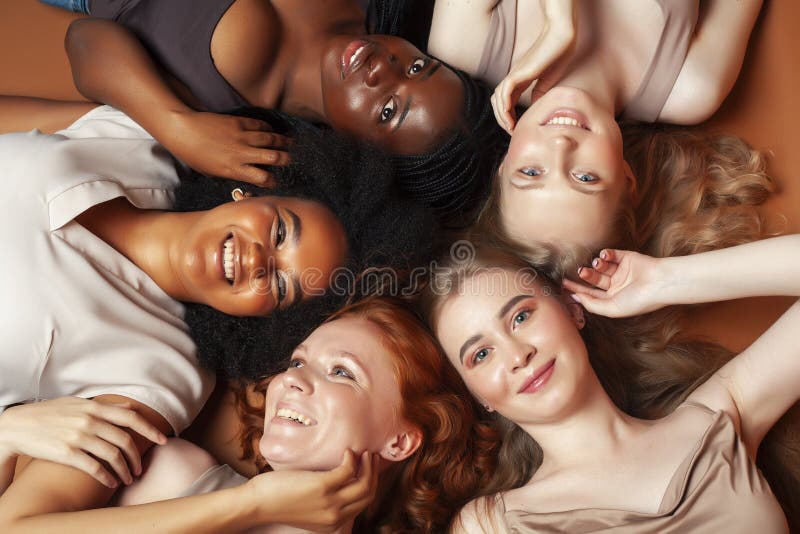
{"x":489,"y":385}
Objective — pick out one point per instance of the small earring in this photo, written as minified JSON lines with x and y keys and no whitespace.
{"x":487,"y":407}
{"x":237,"y":194}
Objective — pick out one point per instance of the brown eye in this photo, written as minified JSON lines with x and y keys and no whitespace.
{"x":417,"y":66}
{"x":388,"y":111}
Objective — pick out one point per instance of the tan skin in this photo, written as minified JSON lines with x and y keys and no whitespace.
{"x":294,"y":56}
{"x":277,"y":240}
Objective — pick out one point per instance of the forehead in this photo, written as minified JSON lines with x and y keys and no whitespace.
{"x":482,"y":295}
{"x":557,"y":215}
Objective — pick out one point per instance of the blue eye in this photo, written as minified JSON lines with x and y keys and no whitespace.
{"x":479,"y":356}
{"x":530,"y":171}
{"x":521,"y":317}
{"x":342,"y":372}
{"x":585,"y":177}
{"x":417,"y":66}
{"x":295,"y":364}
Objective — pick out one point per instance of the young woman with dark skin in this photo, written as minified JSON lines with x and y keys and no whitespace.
{"x":101,"y":264}
{"x":310,"y":59}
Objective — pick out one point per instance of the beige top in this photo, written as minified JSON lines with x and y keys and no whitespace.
{"x":77,"y":318}
{"x":215,"y":478}
{"x":716,"y":489}
{"x":680,"y":18}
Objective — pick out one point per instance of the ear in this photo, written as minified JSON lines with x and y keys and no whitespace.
{"x":576,"y":312}
{"x":402,"y":445}
{"x":631,"y":179}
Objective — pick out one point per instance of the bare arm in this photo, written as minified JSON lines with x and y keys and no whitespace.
{"x":446,"y":40}
{"x":713,"y":62}
{"x":110,"y":65}
{"x":21,"y":113}
{"x":48,"y":497}
{"x":760,"y":384}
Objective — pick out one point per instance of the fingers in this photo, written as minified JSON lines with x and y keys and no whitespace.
{"x":592,"y":276}
{"x":105,"y":451}
{"x":254,"y":175}
{"x":344,"y":472}
{"x":123,"y":442}
{"x":580,"y":290}
{"x":503,"y":112}
{"x":268,"y":140}
{"x":122,"y":415}
{"x":359,"y":494}
{"x":246,"y":123}
{"x":266,"y":156}
{"x":83,"y":462}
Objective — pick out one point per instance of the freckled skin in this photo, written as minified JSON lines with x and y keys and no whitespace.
{"x":357,"y":412}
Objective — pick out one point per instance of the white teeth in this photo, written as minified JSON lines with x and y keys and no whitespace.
{"x":227,"y":259}
{"x":566,"y":121}
{"x":286,"y":413}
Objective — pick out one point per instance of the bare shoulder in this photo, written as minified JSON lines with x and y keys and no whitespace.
{"x":452,"y":19}
{"x":167,"y":471}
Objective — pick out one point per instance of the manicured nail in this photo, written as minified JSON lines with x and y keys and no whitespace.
{"x":595,"y":262}
{"x":575,"y":297}
{"x":604,"y":254}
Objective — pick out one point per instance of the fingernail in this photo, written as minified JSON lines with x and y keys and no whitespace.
{"x":580,"y":269}
{"x":595,"y":262}
{"x":604,"y":254}
{"x":575,"y":297}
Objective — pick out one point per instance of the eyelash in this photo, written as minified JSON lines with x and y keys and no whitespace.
{"x":522,"y":313}
{"x":391,"y":107}
{"x":475,"y":360}
{"x":530,"y":171}
{"x":577,"y":176}
{"x":526,"y":313}
{"x":424,"y":61}
{"x":349,"y":375}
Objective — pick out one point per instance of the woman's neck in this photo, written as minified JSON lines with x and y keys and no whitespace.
{"x":148,"y":238}
{"x":310,"y":27}
{"x":599,"y":61}
{"x":592,"y":430}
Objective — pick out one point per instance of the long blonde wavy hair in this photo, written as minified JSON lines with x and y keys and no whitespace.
{"x":695,"y":192}
{"x":647,"y":367}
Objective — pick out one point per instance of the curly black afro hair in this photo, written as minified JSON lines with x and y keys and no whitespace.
{"x":383,"y":229}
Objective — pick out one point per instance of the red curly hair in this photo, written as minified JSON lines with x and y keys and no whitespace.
{"x":458,"y":451}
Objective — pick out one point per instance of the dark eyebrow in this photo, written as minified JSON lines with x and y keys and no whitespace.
{"x":466,"y":345}
{"x":430,"y":71}
{"x":402,"y":115}
{"x":510,"y":304}
{"x":296,"y":226}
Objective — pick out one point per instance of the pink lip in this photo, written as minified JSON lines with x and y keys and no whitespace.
{"x":570,"y":113}
{"x":361,"y":50}
{"x":539,"y":378}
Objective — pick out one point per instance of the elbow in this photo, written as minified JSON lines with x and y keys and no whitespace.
{"x":77,"y":43}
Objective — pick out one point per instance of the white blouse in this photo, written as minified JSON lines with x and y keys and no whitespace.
{"x":77,"y":317}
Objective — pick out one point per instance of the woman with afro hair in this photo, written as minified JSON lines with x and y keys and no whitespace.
{"x":100,"y":263}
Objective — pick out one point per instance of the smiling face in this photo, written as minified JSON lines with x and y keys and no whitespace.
{"x":383,"y":90}
{"x":250,"y":257}
{"x":563,"y":178}
{"x":339,"y":393}
{"x":517,"y":349}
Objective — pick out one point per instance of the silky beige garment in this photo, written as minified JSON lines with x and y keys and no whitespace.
{"x":680,"y":19}
{"x":77,"y":318}
{"x":716,"y":489}
{"x":215,"y":478}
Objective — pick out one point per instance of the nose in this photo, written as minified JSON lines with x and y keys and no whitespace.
{"x":521,"y":355}
{"x":297,"y":380}
{"x":258,"y":262}
{"x":563,"y":142}
{"x":381,"y":66}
